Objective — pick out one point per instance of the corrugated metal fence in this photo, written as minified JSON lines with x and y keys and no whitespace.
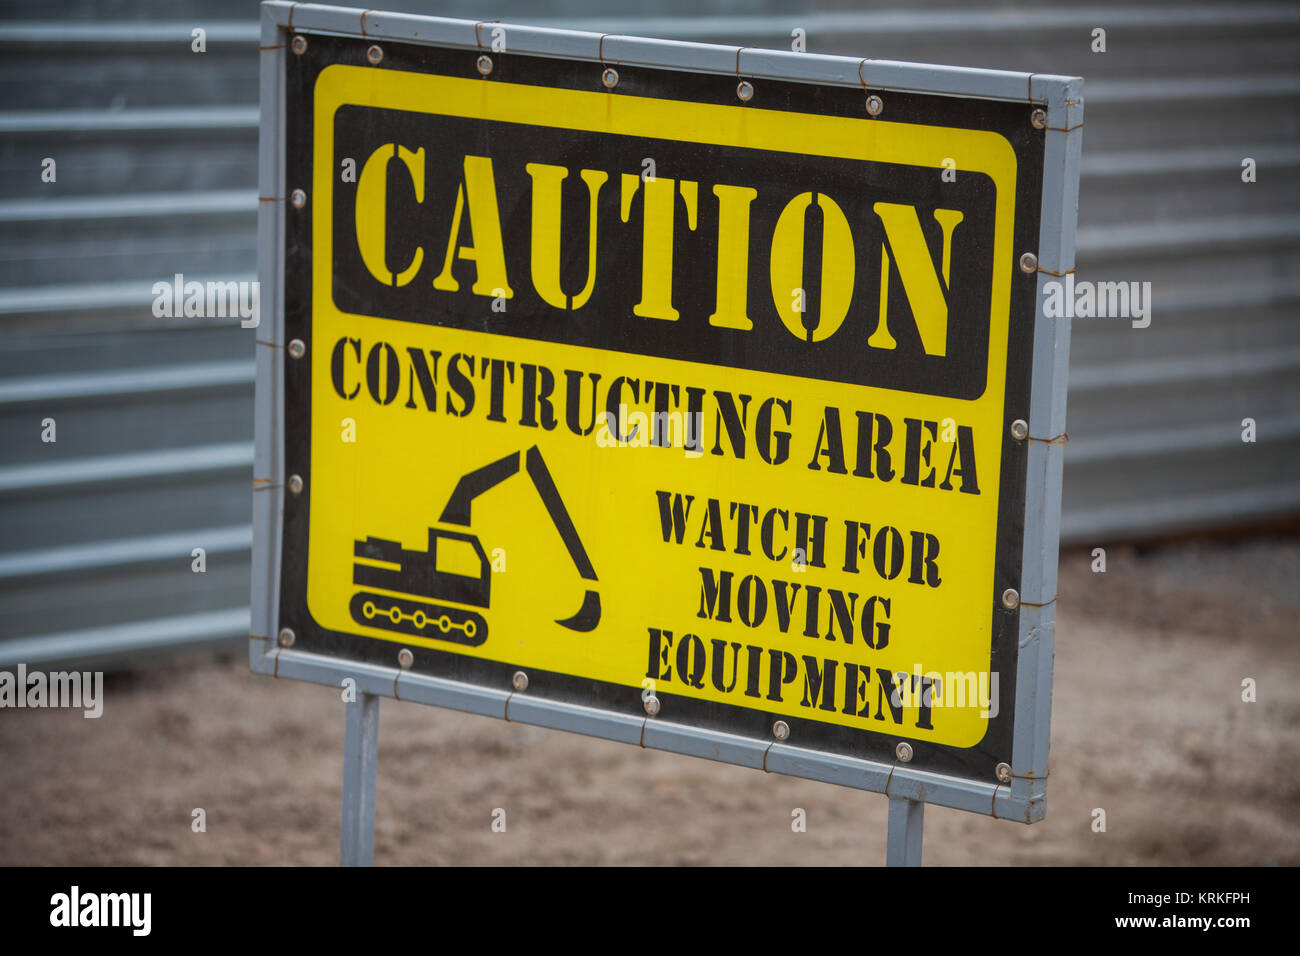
{"x":154,"y":148}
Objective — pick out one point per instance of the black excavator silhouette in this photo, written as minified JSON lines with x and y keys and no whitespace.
{"x":421,"y":574}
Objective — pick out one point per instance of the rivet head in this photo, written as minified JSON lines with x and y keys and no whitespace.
{"x":1028,"y":262}
{"x":903,"y":751}
{"x":609,"y":78}
{"x":295,"y":484}
{"x":651,"y":704}
{"x":300,"y":45}
{"x":485,"y":64}
{"x":745,"y":90}
{"x":875,"y":105}
{"x":298,"y":198}
{"x":520,"y":681}
{"x":1003,"y":771}
{"x":297,"y":348}
{"x":406,"y":658}
{"x":1039,"y":119}
{"x":287,"y":637}
{"x":1011,"y":598}
{"x":781,"y":730}
{"x":1019,"y":429}
{"x":374,"y":55}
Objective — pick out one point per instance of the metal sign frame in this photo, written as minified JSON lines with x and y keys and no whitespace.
{"x":1021,"y":797}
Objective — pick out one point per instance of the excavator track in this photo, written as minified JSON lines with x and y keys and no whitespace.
{"x":439,"y":621}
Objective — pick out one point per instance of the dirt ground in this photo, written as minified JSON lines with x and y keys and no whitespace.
{"x":1148,"y":723}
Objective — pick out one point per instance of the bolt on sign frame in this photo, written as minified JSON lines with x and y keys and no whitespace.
{"x":1016,"y":138}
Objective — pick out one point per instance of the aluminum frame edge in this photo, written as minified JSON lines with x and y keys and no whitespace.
{"x":614,"y":49}
{"x":1046,"y":454}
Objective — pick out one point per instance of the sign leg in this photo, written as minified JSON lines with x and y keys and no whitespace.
{"x":360,"y":763}
{"x":906,"y":821}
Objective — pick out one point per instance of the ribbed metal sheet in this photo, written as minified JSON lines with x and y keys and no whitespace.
{"x":156,"y":153}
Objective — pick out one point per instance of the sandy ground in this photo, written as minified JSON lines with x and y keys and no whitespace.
{"x":1148,"y":724}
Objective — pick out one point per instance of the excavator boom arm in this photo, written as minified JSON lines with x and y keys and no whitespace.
{"x":550,"y":496}
{"x":484,"y":479}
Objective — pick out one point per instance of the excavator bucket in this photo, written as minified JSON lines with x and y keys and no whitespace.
{"x":588,"y":615}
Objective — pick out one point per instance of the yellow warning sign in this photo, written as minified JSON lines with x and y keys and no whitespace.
{"x":653,"y":392}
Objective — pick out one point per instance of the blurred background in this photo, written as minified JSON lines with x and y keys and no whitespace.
{"x":156,"y":174}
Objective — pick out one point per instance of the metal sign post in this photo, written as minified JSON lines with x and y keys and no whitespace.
{"x":695,"y":397}
{"x":906,"y":824}
{"x":360,"y":767}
